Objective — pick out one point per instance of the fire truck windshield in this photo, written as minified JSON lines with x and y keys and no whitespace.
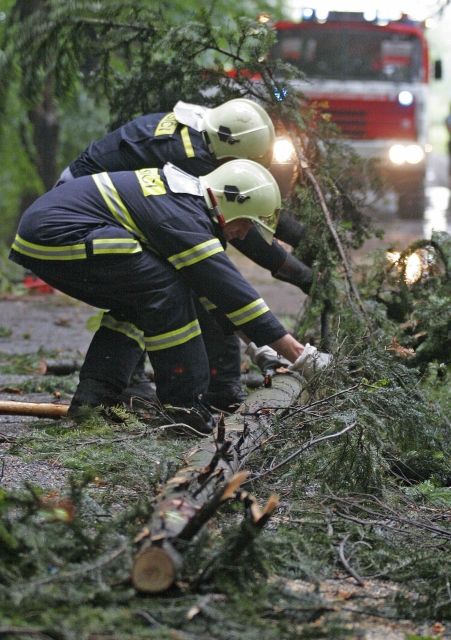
{"x":350,"y":53}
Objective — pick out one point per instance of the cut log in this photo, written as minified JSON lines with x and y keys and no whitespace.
{"x":156,"y":568}
{"x":37,"y":409}
{"x":213,"y":472}
{"x":59,"y":367}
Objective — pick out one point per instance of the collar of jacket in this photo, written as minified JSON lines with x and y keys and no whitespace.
{"x":181,"y":182}
{"x":191,"y":115}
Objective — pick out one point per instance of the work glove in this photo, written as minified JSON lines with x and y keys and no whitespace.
{"x":265,"y":357}
{"x":311,"y":361}
{"x":295,"y":272}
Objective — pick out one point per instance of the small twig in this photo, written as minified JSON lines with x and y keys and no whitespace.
{"x":393,"y":516}
{"x":304,"y":447}
{"x":325,"y":209}
{"x":306,"y":407}
{"x":178,"y":425}
{"x":19,"y":631}
{"x":134,"y":436}
{"x":346,"y":564}
{"x":86,"y":568}
{"x":148,"y":618}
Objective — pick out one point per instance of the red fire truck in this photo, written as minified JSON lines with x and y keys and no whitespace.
{"x":373,"y":78}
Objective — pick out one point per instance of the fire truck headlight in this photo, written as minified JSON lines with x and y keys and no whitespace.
{"x":397,"y":154}
{"x":405,"y":98}
{"x":406,"y":154}
{"x":414,"y":154}
{"x":283,"y":151}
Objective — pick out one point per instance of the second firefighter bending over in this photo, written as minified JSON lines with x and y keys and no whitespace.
{"x":198,"y":139}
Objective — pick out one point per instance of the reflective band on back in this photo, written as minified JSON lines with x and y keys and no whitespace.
{"x":126,"y":328}
{"x":196,"y":254}
{"x":187,"y":142}
{"x":173,"y":338}
{"x":115,"y":204}
{"x":115,"y":245}
{"x":43,"y":252}
{"x":249,"y":312}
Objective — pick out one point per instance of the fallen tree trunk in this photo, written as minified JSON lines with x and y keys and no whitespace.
{"x":213,"y":472}
{"x":38,"y":409}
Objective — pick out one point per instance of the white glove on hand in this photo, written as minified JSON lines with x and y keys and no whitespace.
{"x":265,"y":357}
{"x":311,"y":361}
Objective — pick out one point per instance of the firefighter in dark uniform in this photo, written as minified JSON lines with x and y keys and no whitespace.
{"x":147,"y":245}
{"x":198,"y":139}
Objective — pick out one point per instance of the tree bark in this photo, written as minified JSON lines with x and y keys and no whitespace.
{"x":212,"y":473}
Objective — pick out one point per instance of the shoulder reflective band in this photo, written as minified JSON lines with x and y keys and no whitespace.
{"x":114,"y":203}
{"x":150,"y":181}
{"x":249,"y":312}
{"x":173,"y":338}
{"x":44,"y":252}
{"x":187,"y":142}
{"x":196,"y":254}
{"x":126,"y":328}
{"x":115,"y":245}
{"x":167,"y":125}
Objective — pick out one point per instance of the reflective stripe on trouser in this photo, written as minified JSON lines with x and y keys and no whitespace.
{"x":142,"y":290}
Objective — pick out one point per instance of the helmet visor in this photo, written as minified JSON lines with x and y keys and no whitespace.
{"x":266,"y":225}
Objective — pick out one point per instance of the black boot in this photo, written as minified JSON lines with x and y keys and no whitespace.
{"x":139,"y":388}
{"x":92,"y":393}
{"x":195,"y":421}
{"x":227,"y":396}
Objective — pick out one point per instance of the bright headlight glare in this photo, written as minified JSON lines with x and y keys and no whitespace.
{"x":397,"y":154}
{"x":283,"y":150}
{"x":414,"y":154}
{"x":405,"y":98}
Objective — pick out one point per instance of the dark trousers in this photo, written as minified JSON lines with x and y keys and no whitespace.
{"x":140,"y":291}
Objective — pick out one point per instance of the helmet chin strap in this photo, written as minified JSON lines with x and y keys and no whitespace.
{"x":215,"y":208}
{"x":207,"y":141}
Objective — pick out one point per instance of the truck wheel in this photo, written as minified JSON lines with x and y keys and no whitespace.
{"x":411,"y":204}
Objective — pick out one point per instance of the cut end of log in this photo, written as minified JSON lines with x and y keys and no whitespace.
{"x":154,"y":570}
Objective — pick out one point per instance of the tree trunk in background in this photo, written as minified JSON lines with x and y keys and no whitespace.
{"x":44,"y":119}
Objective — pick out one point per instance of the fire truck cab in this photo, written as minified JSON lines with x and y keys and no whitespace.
{"x":373,"y":80}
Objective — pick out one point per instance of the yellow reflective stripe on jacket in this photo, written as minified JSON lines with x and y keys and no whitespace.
{"x":207,"y":304}
{"x":173,"y":338}
{"x":249,"y":312}
{"x":196,"y":254}
{"x":126,"y":328}
{"x":44,"y":252}
{"x":115,"y":204}
{"x":115,"y":245}
{"x":187,"y":142}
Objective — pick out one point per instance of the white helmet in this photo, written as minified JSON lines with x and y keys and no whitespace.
{"x":244,"y":189}
{"x":239,"y":128}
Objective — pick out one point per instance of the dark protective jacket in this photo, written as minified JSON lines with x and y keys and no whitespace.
{"x":154,"y":139}
{"x":126,"y":212}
